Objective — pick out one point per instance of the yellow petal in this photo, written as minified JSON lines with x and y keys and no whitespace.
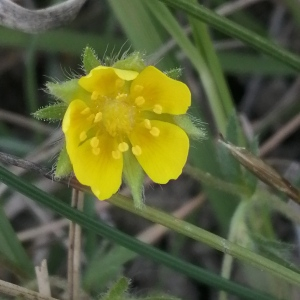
{"x":103,"y":79}
{"x":94,"y":167}
{"x":161,"y":93}
{"x":162,"y":157}
{"x":75,"y":122}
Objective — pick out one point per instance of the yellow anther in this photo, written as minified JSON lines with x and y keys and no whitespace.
{"x":98,"y":117}
{"x":86,"y":111}
{"x":116,"y":154}
{"x":123,"y":147}
{"x":119,"y":83}
{"x":136,"y":150}
{"x":90,"y":117}
{"x":139,"y":100}
{"x":95,"y":95}
{"x":138,"y":88}
{"x":157,"y":109}
{"x":155,"y":131}
{"x":94,"y":142}
{"x":96,"y":151}
{"x":121,"y":97}
{"x":82,"y":136}
{"x":147,"y":123}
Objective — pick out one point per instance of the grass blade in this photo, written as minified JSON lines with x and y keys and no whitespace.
{"x":232,"y":29}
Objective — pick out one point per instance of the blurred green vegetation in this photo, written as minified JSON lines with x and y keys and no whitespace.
{"x":190,"y":36}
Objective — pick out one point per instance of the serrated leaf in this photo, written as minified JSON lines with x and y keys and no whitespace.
{"x":276,"y":250}
{"x":54,"y":112}
{"x":89,"y":59}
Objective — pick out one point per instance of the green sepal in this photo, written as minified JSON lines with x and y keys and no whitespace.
{"x":134,"y":178}
{"x":63,"y":166}
{"x":67,"y":91}
{"x":89,"y":59}
{"x":132,"y":62}
{"x":53,"y":112}
{"x":192,"y":126}
{"x":174,"y":73}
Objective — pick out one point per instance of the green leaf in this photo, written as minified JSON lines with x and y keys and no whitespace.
{"x":53,"y":112}
{"x":276,"y":250}
{"x":230,"y":167}
{"x":111,"y":264}
{"x":12,"y":253}
{"x":89,"y":59}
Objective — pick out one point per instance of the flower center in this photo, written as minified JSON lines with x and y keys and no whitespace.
{"x":118,"y":115}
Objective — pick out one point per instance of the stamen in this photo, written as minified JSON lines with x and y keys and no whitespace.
{"x":122,"y":96}
{"x":94,"y":142}
{"x":98,"y":117}
{"x":90,"y":117}
{"x":119,"y":83}
{"x":82,"y":136}
{"x":123,"y":147}
{"x":157,"y":109}
{"x":155,"y":131}
{"x":138,"y":88}
{"x":86,"y":111}
{"x":95,"y":95}
{"x":136,"y":150}
{"x":116,"y":154}
{"x":147,"y":124}
{"x":139,"y":100}
{"x":96,"y":151}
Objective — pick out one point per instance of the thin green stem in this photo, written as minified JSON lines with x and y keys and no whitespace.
{"x":234,"y":30}
{"x":170,"y":23}
{"x":204,"y":44}
{"x":209,"y":239}
{"x":164,"y":219}
{"x":135,"y":245}
{"x":237,"y":224}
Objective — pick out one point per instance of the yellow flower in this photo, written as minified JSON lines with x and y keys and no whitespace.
{"x":126,"y":112}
